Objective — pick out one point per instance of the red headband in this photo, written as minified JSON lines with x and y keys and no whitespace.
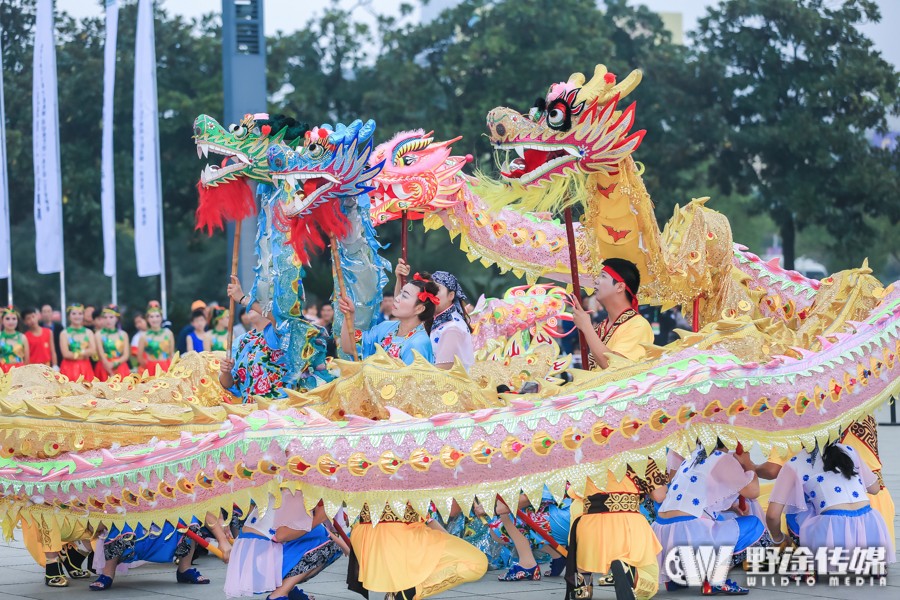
{"x":418,"y":277}
{"x":423,"y":296}
{"x":618,"y":279}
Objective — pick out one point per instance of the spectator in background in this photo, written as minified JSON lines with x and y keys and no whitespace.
{"x":181,"y":341}
{"x":311,"y":312}
{"x":52,"y":320}
{"x":666,"y":327}
{"x":326,"y":320}
{"x":385,"y":310}
{"x":42,"y":351}
{"x":195,"y":340}
{"x":246,"y":320}
{"x":239,"y":327}
{"x":89,"y":311}
{"x":140,"y":326}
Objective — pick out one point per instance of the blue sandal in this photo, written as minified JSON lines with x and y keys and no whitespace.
{"x":519,"y":573}
{"x":730,"y":588}
{"x":190,"y":576}
{"x":298,"y":594}
{"x":101,"y":584}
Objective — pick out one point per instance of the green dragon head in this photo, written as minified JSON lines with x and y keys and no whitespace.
{"x":224,"y":195}
{"x":243,"y":145}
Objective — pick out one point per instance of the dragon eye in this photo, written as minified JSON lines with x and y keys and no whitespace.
{"x":556,"y":117}
{"x":315,"y":150}
{"x":238,"y":131}
{"x":408,"y":160}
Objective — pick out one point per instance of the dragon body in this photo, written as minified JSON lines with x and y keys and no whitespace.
{"x":791,"y":368}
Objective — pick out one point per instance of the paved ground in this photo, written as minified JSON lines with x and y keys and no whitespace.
{"x":21,"y":578}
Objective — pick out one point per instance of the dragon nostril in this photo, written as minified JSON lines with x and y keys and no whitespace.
{"x":197,"y":130}
{"x":501,"y":130}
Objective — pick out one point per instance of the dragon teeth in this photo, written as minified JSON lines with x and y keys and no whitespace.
{"x":205,"y":148}
{"x":199,"y":151}
{"x":520,"y":150}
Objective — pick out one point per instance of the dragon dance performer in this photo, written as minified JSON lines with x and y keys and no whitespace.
{"x":280,"y":547}
{"x":217,"y":338}
{"x":862,"y":436}
{"x":705,"y":485}
{"x":157,"y":345}
{"x":77,"y":345}
{"x":451,"y":332}
{"x":155,"y":544}
{"x":625,"y":331}
{"x":62,"y":550}
{"x":409,"y":557}
{"x":829,"y":489}
{"x":112,"y":345}
{"x":13,"y":345}
{"x":259,"y":364}
{"x":612,"y":536}
{"x":414,"y":310}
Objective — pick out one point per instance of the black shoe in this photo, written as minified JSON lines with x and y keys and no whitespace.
{"x":623,"y":579}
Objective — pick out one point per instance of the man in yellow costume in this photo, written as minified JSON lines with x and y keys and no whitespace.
{"x":408,"y":557}
{"x":612,"y":536}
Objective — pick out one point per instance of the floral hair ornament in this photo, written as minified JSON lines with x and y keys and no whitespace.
{"x":418,"y":277}
{"x":10,"y":310}
{"x":74,"y":306}
{"x":153,"y":307}
{"x":428,"y":296}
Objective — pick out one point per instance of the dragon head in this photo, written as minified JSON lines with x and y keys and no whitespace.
{"x":419,"y":176}
{"x":327,"y":164}
{"x":576,"y":129}
{"x":224,"y":195}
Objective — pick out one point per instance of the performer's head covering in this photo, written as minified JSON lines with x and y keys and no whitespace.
{"x":625,"y":272}
{"x":449,"y":281}
{"x":111,"y":309}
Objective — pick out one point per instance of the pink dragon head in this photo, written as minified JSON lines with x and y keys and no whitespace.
{"x":576,"y":128}
{"x":419,"y":176}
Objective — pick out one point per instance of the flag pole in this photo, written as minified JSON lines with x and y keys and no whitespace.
{"x":162,"y":238}
{"x":4,"y":191}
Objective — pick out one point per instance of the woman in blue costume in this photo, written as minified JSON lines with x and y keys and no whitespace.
{"x":413,"y":310}
{"x":260,"y":364}
{"x":158,"y":545}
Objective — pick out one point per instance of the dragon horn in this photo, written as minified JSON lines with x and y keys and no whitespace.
{"x":445,"y":143}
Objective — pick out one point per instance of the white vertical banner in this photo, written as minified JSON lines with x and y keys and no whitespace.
{"x":5,"y":243}
{"x":107,"y":175}
{"x":147,"y":192}
{"x":45,"y":129}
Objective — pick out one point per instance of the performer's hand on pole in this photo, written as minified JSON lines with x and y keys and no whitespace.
{"x":226,"y":365}
{"x":346,"y":307}
{"x":580,"y":317}
{"x":235,"y":292}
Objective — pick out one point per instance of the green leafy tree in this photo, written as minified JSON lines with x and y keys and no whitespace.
{"x":785,"y":91}
{"x":189,"y":82}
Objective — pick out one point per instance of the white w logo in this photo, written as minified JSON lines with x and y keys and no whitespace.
{"x":689,"y":566}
